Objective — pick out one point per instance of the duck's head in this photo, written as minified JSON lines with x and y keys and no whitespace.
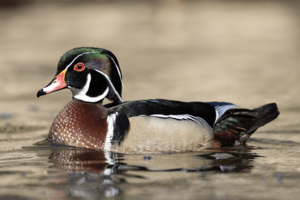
{"x":90,"y":73}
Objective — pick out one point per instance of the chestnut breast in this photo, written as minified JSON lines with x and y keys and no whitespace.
{"x":80,"y":124}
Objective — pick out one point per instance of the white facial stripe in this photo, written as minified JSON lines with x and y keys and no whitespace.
{"x":81,"y":94}
{"x":77,"y":57}
{"x":110,"y":84}
{"x":118,"y":69}
{"x":110,"y":131}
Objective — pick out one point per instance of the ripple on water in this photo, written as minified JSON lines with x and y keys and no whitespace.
{"x":60,"y":172}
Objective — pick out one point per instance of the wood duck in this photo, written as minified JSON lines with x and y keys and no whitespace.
{"x":143,"y":126}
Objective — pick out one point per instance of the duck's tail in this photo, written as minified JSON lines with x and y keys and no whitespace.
{"x":237,"y":125}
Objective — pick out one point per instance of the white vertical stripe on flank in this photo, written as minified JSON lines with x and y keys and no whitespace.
{"x":110,"y":131}
{"x":108,"y":156}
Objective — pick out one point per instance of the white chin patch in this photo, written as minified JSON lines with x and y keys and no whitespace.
{"x":80,"y":94}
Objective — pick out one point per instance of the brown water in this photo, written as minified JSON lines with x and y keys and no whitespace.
{"x":236,"y":51}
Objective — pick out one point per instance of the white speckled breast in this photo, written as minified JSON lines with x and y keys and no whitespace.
{"x":80,"y":124}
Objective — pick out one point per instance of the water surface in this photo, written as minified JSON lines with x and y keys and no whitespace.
{"x":244,"y":52}
{"x":268,"y":167}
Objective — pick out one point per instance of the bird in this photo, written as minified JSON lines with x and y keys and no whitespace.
{"x":140,"y":126}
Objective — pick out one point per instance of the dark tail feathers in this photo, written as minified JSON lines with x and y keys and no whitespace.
{"x":237,"y":125}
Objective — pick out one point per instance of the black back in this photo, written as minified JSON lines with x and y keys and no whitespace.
{"x":166,"y":107}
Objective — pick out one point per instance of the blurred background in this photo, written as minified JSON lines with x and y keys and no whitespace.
{"x":239,"y":51}
{"x":245,"y":52}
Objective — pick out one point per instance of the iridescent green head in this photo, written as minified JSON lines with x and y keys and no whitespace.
{"x":91,"y":73}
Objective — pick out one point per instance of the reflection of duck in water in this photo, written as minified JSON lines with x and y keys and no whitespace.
{"x":230,"y":160}
{"x":107,"y":163}
{"x":92,"y":173}
{"x":76,"y":160}
{"x":89,"y":172}
{"x":145,"y":126}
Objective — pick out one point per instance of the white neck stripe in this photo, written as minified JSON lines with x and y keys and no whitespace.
{"x":118,"y":69}
{"x":81,"y":95}
{"x":110,"y":84}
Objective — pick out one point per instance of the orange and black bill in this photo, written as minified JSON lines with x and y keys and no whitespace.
{"x":58,"y":83}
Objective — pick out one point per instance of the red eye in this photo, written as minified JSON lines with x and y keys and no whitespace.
{"x":79,"y":67}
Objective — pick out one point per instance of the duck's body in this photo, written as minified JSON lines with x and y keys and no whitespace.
{"x":138,"y":126}
{"x":145,"y":126}
{"x":154,"y":126}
